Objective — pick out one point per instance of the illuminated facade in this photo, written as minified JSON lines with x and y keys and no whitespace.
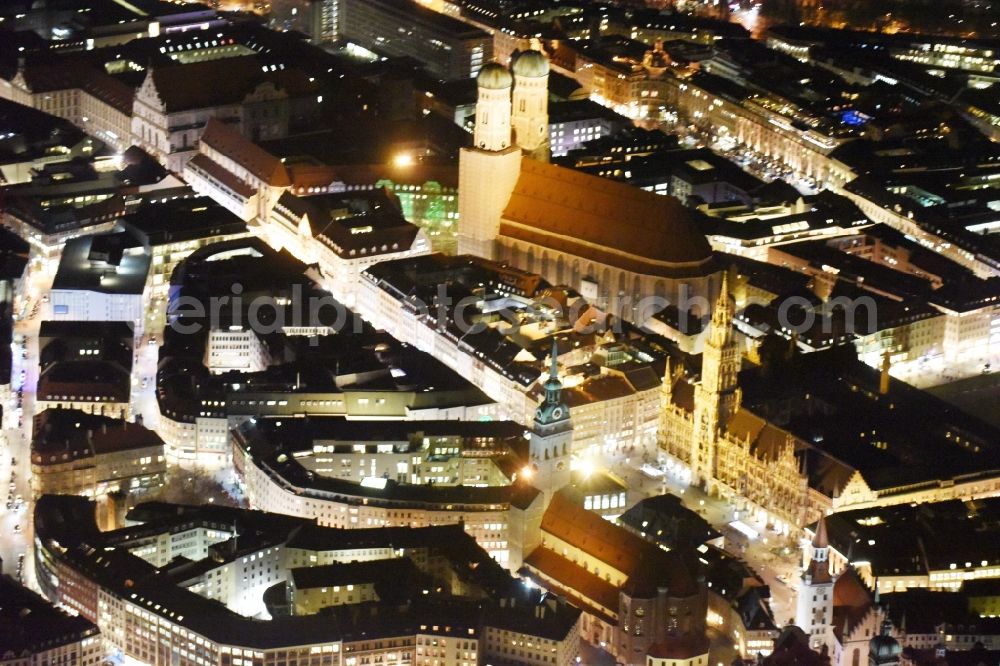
{"x":759,"y":124}
{"x":344,"y":234}
{"x":231,"y":611}
{"x":272,"y":482}
{"x":34,"y":633}
{"x":607,"y":409}
{"x":169,"y":116}
{"x":637,"y":599}
{"x":432,"y":206}
{"x":709,"y":439}
{"x":838,"y":614}
{"x":574,"y":229}
{"x":551,"y":437}
{"x":76,"y":453}
{"x":235,"y":172}
{"x":89,"y":98}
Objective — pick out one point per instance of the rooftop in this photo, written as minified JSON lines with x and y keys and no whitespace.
{"x":845,"y":424}
{"x":409,"y":11}
{"x":175,"y":220}
{"x":223,"y":81}
{"x":115,"y":263}
{"x":30,"y":624}
{"x":70,"y":434}
{"x":908,"y":539}
{"x":105,"y":559}
{"x":224,"y":138}
{"x":606,"y":221}
{"x":362,"y":223}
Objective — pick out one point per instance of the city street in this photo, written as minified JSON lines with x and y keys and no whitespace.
{"x":15,"y":522}
{"x":144,"y":381}
{"x":15,"y":438}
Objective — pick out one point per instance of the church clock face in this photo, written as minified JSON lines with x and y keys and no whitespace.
{"x":557,"y":413}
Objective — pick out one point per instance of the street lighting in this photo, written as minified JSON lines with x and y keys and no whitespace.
{"x":402,"y":160}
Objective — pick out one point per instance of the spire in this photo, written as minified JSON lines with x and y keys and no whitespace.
{"x":668,"y":384}
{"x":722,"y":315}
{"x":552,"y":408}
{"x":821,"y":540}
{"x":818,"y":571}
{"x":886,"y":629}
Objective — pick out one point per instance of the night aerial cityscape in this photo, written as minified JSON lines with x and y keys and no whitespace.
{"x":500,"y":332}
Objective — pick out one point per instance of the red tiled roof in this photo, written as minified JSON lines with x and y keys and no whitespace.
{"x":680,"y":648}
{"x":572,"y":578}
{"x":262,"y":164}
{"x":646,"y":566}
{"x":593,"y":534}
{"x":78,"y":434}
{"x":767,"y":441}
{"x":595,"y":389}
{"x":849,"y":590}
{"x":605,"y":221}
{"x":111,"y":91}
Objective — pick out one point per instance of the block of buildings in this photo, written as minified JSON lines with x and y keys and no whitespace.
{"x":613,"y":391}
{"x":175,"y":102}
{"x":76,"y":453}
{"x":232,"y":582}
{"x":33,"y":631}
{"x":101,"y":278}
{"x":344,"y":234}
{"x":86,"y":366}
{"x":294,"y":348}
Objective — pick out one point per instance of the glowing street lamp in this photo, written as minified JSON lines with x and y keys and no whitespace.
{"x":402,"y":160}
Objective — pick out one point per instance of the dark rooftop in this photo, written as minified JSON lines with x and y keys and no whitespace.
{"x":115,"y":263}
{"x":64,"y":434}
{"x":30,"y":624}
{"x":909,"y":539}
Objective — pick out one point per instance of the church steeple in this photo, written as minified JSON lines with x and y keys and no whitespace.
{"x":489,"y":169}
{"x":814,"y":607}
{"x":552,"y":410}
{"x":723,"y":314}
{"x":717,"y":396}
{"x":551,"y":434}
{"x":819,"y":567}
{"x":530,"y":102}
{"x":493,"y":123}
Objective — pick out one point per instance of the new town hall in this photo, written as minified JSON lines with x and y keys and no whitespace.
{"x":707,"y":433}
